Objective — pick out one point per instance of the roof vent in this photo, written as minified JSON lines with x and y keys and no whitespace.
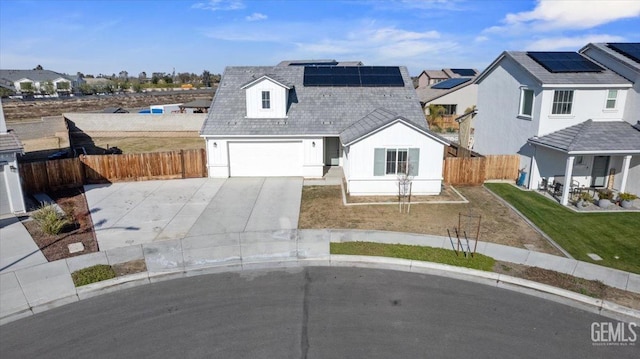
{"x":232,"y":123}
{"x":327,"y":122}
{"x":281,"y":122}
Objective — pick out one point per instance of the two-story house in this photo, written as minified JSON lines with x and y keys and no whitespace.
{"x":30,"y":82}
{"x":565,"y":114}
{"x":297,"y":118}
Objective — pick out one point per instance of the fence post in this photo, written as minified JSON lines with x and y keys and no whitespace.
{"x":182,"y":163}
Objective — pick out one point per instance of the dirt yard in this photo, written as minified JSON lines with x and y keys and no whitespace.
{"x":74,"y":204}
{"x":591,"y":288}
{"x":18,"y":110}
{"x":322,"y":207}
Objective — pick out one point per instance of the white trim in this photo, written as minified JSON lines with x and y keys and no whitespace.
{"x":264,"y":77}
{"x":399,"y":119}
{"x":595,"y":152}
{"x":574,"y":86}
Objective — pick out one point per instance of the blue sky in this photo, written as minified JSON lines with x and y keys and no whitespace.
{"x":191,"y":36}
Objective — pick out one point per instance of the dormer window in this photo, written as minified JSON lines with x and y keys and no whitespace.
{"x":266,"y":100}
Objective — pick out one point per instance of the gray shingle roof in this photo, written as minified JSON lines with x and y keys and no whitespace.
{"x":606,"y":77}
{"x":572,"y":78}
{"x":593,"y":136}
{"x":325,"y":111}
{"x":35,"y":75}
{"x":603,"y":47}
{"x":427,"y":94}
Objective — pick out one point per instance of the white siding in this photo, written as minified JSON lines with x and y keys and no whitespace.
{"x":588,"y":104}
{"x":359,"y":162}
{"x":632,"y":105}
{"x":278,"y":99}
{"x":498,"y":128}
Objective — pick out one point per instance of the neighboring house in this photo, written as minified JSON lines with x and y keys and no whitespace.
{"x":565,"y":114}
{"x":455,"y":95}
{"x":294,"y":120}
{"x":432,"y":77}
{"x":30,"y":82}
{"x":11,"y":199}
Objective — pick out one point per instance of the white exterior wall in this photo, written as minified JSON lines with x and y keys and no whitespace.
{"x":632,"y":106}
{"x":12,"y":181}
{"x":278,"y":99}
{"x":498,"y":128}
{"x":464,"y":98}
{"x":633,"y":181}
{"x":588,"y":104}
{"x":360,"y":162}
{"x":218,"y":155}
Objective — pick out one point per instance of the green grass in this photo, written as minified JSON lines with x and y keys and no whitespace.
{"x":92,"y":274}
{"x":609,"y":235}
{"x":428,"y":254}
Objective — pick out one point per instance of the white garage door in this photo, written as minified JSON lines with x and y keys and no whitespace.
{"x":265,"y":159}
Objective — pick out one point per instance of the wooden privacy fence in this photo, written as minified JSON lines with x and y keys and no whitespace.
{"x":74,"y":172}
{"x":476,"y":170}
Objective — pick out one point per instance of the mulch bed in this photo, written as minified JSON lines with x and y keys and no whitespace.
{"x":74,"y":204}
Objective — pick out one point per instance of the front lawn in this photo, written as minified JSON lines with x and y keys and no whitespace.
{"x":613,"y":236}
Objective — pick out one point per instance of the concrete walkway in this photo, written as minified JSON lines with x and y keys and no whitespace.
{"x":43,"y":286}
{"x":17,"y":248}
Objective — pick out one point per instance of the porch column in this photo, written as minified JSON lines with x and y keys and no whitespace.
{"x":568,"y":172}
{"x":626,"y":161}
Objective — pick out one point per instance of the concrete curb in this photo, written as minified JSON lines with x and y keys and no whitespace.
{"x":596,"y":306}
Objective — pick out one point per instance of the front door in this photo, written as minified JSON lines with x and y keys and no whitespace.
{"x":599,"y":171}
{"x":332,"y":151}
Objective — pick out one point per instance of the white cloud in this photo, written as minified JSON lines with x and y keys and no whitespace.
{"x":569,"y":43}
{"x":256,"y":16}
{"x":481,"y":38}
{"x":215,"y":5}
{"x":570,"y":14}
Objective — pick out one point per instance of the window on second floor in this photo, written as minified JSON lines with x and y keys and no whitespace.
{"x":449,"y":109}
{"x":266,"y":99}
{"x":612,"y":96}
{"x":526,"y":103}
{"x":562,"y":102}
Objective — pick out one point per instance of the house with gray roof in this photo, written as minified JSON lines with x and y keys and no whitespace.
{"x":29,"y":82}
{"x":298,"y":118}
{"x":11,"y":199}
{"x":567,"y":115}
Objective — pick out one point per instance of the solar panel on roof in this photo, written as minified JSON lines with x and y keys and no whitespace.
{"x":353,"y":76}
{"x":450,"y":83}
{"x":564,"y":62}
{"x":628,"y":49}
{"x":464,"y":72}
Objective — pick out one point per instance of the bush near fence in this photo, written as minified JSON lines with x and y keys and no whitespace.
{"x":475,"y":170}
{"x":74,"y":172}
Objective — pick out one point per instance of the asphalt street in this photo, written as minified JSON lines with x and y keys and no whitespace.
{"x":317,"y":312}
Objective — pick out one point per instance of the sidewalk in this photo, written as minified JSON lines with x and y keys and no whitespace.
{"x":40,"y":287}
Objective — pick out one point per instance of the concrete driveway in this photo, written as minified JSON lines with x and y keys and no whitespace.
{"x":132,"y":213}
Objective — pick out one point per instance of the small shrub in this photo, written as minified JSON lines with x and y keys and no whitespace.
{"x":605,"y":194}
{"x":586,"y":196}
{"x":50,"y":220}
{"x":625,"y":196}
{"x":92,"y":274}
